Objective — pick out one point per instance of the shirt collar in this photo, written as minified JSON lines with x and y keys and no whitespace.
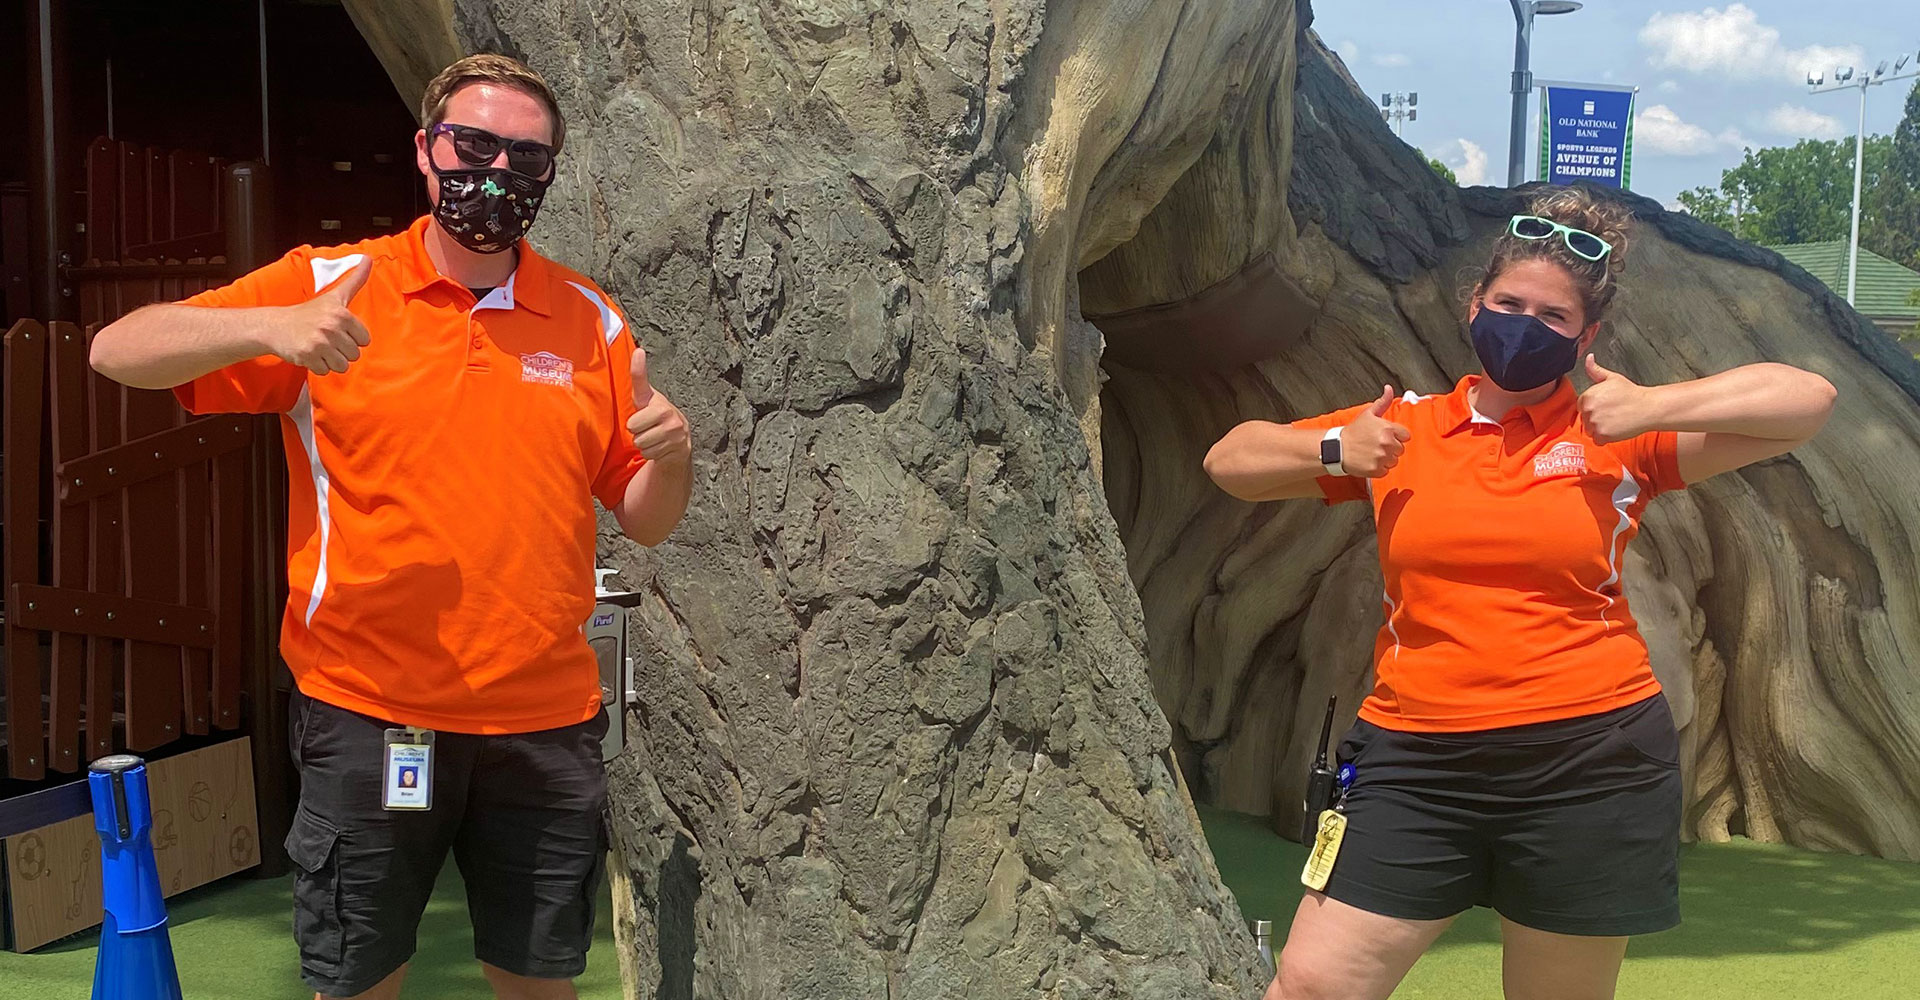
{"x":527,"y":286}
{"x":1553,"y":411}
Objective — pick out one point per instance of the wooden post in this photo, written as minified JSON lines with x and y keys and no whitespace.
{"x":26,"y":370}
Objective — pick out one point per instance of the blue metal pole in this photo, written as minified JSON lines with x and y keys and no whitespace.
{"x":136,"y":955}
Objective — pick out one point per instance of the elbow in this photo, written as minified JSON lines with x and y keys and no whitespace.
{"x":1822,"y":397}
{"x":649,"y":537}
{"x":109,"y":355}
{"x":104,"y":356}
{"x":646,"y":531}
{"x":1219,"y":468}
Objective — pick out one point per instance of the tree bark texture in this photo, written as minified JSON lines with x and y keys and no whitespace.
{"x":956,"y":296}
{"x":1779,"y":603}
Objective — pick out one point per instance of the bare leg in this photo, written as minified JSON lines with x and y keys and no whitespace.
{"x":1540,"y":965}
{"x":508,"y":986}
{"x":385,"y":989}
{"x":1341,"y":952}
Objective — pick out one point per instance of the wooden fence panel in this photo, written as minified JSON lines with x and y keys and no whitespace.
{"x":25,"y":372}
{"x":151,"y":541}
{"x":174,"y":546}
{"x":193,"y":190}
{"x":103,"y":186}
{"x":231,"y":486}
{"x":133,"y":221}
{"x":153,"y":175}
{"x":106,"y":656}
{"x":194,"y":516}
{"x":68,"y":386}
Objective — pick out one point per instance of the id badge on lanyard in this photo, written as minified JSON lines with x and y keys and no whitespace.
{"x":408,"y":782}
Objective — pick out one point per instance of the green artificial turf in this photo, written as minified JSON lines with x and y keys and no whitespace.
{"x":233,"y":940}
{"x":1760,"y":922}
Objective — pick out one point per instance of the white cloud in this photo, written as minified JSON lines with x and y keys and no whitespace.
{"x":1658,"y":129}
{"x":1734,"y":42}
{"x":1349,"y":50}
{"x":1788,"y":119}
{"x":1392,"y":60}
{"x":1467,"y":161}
{"x":1668,"y":86}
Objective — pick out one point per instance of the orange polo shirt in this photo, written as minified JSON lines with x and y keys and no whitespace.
{"x":1501,"y":544}
{"x":441,"y":525}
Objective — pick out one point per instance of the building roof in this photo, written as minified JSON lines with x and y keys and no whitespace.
{"x":1883,"y":287}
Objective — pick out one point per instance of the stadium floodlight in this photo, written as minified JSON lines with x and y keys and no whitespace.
{"x":1555,"y":6}
{"x":1843,"y":79}
{"x":1399,"y":108}
{"x":1413,"y":99}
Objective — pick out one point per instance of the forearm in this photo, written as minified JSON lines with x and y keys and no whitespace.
{"x":1769,"y":401}
{"x":161,"y":346}
{"x":1259,"y":460}
{"x":655,"y":500}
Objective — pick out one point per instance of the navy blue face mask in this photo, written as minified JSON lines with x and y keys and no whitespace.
{"x":1519,"y":352}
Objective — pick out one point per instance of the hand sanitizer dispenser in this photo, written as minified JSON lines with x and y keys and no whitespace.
{"x":607,"y":634}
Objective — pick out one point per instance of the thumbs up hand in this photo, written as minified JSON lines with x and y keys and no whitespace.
{"x":659,"y":429}
{"x":1614,"y":408}
{"x":322,"y":334}
{"x":1372,"y":444}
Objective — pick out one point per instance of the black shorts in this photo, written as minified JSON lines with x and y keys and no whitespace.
{"x":1571,"y":826}
{"x":522,"y":814}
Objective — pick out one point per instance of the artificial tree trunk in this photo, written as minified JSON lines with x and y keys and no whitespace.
{"x":901,"y":730}
{"x":1779,"y":603}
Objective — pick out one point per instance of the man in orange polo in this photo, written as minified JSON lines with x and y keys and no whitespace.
{"x":453,"y":404}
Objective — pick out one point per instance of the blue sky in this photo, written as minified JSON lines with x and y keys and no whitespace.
{"x":1712,"y":77}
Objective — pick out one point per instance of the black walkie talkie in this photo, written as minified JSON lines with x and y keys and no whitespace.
{"x":1319,"y":782}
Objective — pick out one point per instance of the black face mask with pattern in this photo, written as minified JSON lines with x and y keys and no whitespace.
{"x":487,"y":209}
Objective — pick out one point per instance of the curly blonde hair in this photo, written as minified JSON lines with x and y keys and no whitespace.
{"x":1578,"y":208}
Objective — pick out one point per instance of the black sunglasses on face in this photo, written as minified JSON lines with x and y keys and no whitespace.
{"x":477,"y":147}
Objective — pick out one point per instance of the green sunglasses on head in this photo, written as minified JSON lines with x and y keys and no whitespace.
{"x":1581,"y":242}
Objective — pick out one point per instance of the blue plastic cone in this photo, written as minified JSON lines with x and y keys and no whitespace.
{"x":136,"y":956}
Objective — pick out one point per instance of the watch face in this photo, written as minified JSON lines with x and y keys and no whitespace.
{"x":1330,"y":451}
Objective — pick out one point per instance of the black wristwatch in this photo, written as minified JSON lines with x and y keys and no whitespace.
{"x":1330,"y":452}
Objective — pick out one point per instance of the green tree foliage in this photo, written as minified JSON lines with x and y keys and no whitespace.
{"x":1441,"y":169}
{"x":1890,"y":216}
{"x":1709,"y":205}
{"x":1801,"y":193}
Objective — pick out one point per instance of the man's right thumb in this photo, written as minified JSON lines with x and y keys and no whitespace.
{"x":346,"y":288}
{"x":1379,"y":408}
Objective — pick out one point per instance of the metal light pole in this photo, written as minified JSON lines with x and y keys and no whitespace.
{"x":1523,"y":15}
{"x":1843,"y":79}
{"x":1400,"y":108}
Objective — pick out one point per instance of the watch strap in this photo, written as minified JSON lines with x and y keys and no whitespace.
{"x":1331,"y":457}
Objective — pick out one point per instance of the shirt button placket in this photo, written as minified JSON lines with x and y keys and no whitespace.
{"x":477,"y":344}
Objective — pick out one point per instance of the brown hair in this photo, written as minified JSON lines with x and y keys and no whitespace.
{"x":486,"y":67}
{"x":1579,"y":209}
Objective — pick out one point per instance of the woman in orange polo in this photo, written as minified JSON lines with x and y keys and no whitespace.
{"x":1515,"y":751}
